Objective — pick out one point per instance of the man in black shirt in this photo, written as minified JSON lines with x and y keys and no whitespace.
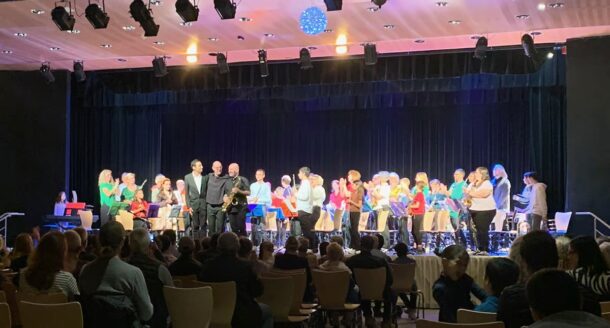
{"x":240,"y":188}
{"x":216,"y":187}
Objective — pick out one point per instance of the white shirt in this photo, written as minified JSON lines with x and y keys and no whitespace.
{"x":318,"y":196}
{"x":383,"y":191}
{"x":197,"y":182}
{"x":304,"y":197}
{"x":484,"y":204}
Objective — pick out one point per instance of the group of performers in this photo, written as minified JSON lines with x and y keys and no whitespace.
{"x":208,"y":201}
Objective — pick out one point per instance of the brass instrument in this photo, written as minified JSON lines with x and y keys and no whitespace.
{"x":231,"y":199}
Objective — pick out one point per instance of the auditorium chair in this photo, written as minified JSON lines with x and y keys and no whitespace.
{"x":324,"y":226}
{"x":404,"y":276}
{"x":63,"y":315}
{"x":180,"y":280}
{"x":606,"y":315}
{"x":299,"y":279}
{"x":270,"y":229}
{"x":605,"y":306}
{"x":5,"y":315}
{"x":371,"y":283}
{"x":469,"y":316}
{"x":224,"y":295}
{"x":42,"y":298}
{"x":278,"y":294}
{"x":186,"y":304}
{"x":126,"y":219}
{"x":421,"y":323}
{"x":331,"y":288}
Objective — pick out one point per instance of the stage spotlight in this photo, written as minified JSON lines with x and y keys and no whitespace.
{"x":221,"y":61}
{"x":305,"y":59}
{"x":527,"y":42}
{"x":97,"y":16}
{"x":141,"y":14}
{"x":379,"y":3}
{"x":187,"y":11}
{"x":159,"y":66}
{"x":225,"y":8}
{"x":370,"y":54}
{"x":480,"y":50}
{"x":262,"y":63}
{"x":79,"y":71}
{"x":45,"y":70}
{"x":62,"y":18}
{"x":332,"y":5}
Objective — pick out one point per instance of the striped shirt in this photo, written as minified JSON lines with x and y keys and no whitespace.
{"x":598,"y":284}
{"x":64,"y":283}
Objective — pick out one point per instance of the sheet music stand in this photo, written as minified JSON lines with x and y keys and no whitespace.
{"x":175,"y":211}
{"x":153,"y":210}
{"x":116,"y":206}
{"x":398,"y":209}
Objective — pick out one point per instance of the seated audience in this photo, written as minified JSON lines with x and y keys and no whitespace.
{"x":227,"y":267}
{"x":185,"y":265}
{"x":555,"y":302}
{"x":499,"y":274}
{"x":24,"y":247}
{"x":303,"y":251}
{"x":245,"y":251}
{"x":366,"y":260}
{"x":5,"y":260}
{"x":291,"y":261}
{"x":155,"y":273}
{"x":164,"y":244}
{"x":452,"y":290}
{"x":112,"y":285}
{"x":265,"y":259}
{"x":210,"y":252}
{"x":334,"y":259}
{"x":604,"y":247}
{"x":322,"y":251}
{"x":563,"y":245}
{"x":410,"y":302}
{"x":338,"y":240}
{"x":84,"y":238}
{"x":44,"y":273}
{"x":376,"y":251}
{"x":72,"y":262}
{"x":588,"y":267}
{"x":172,"y":239}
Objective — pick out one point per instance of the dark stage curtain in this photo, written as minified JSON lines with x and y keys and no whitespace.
{"x":430,"y":113}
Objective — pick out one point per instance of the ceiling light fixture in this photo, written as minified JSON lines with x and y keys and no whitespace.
{"x":75,"y":31}
{"x":245,"y":19}
{"x":225,"y":8}
{"x":312,"y":48}
{"x":129,"y":28}
{"x":370,"y":54}
{"x":106,"y":45}
{"x":142,"y":15}
{"x":159,"y":43}
{"x":419,"y":41}
{"x":240,"y":38}
{"x":97,"y":16}
{"x":21,"y":34}
{"x":54,"y":48}
{"x":156,"y":3}
{"x":37,"y":11}
{"x":557,"y":5}
{"x":192,"y":59}
{"x":379,"y":3}
{"x":328,"y":30}
{"x":541,"y":6}
{"x":305,"y":59}
{"x":62,"y":18}
{"x":535,"y":33}
{"x":372,"y":9}
{"x":186,"y":24}
{"x":389,"y":26}
{"x":122,"y":60}
{"x":221,"y":62}
{"x":262,"y":63}
{"x":7,"y":52}
{"x":187,"y":11}
{"x":441,"y":4}
{"x":79,"y":71}
{"x":523,"y":17}
{"x":45,"y":71}
{"x":213,"y":39}
{"x":333,"y":5}
{"x":159,"y":67}
{"x":455,"y":22}
{"x":269,"y":35}
{"x":550,"y":55}
{"x":480,"y":50}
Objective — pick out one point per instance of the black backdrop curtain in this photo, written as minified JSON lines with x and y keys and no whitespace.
{"x":430,"y":113}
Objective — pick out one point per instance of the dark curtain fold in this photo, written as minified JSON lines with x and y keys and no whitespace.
{"x":429,"y":113}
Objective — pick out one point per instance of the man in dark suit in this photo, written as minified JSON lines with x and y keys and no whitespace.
{"x":195,"y":184}
{"x":240,"y":187}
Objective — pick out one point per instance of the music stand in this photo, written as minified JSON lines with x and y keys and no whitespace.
{"x":175,"y":211}
{"x":153,"y":210}
{"x":398,"y":209}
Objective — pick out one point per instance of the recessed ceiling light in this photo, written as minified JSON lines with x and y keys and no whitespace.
{"x":312,"y":48}
{"x":53,"y":48}
{"x":245,"y":19}
{"x":129,"y":28}
{"x":121,"y":60}
{"x":556,"y":5}
{"x":106,"y":45}
{"x":372,"y":9}
{"x":156,"y":2}
{"x":213,"y":39}
{"x":269,"y":35}
{"x":75,"y":31}
{"x":7,"y":52}
{"x":328,"y":30}
{"x":419,"y":41}
{"x":455,"y":22}
{"x":186,"y":24}
{"x":535,"y":33}
{"x":21,"y":34}
{"x":441,"y":4}
{"x":240,"y":38}
{"x":37,"y":11}
{"x":541,"y":6}
{"x":159,"y":43}
{"x":523,"y":16}
{"x":388,"y":26}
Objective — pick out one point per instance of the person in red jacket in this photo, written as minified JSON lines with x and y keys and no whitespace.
{"x":418,"y":209}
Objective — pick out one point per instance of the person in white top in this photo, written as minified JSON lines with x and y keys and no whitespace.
{"x":305,"y":205}
{"x":382,"y":191}
{"x":483,"y":208}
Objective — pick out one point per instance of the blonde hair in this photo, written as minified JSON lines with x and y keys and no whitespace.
{"x":484,"y":172}
{"x":102,"y":177}
{"x":334,"y":252}
{"x":355,"y":174}
{"x":563,"y":244}
{"x":421,"y":176}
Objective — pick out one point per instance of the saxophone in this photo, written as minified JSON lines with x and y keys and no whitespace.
{"x":232,"y":200}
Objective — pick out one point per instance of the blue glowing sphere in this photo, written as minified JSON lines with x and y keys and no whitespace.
{"x":313,"y":21}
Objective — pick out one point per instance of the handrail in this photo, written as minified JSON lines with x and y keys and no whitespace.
{"x":595,"y":221}
{"x":4,"y":218}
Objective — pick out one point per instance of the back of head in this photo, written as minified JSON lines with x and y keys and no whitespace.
{"x":563,"y":245}
{"x":83,"y":235}
{"x":322,"y":248}
{"x":47,"y":260}
{"x":334,"y":252}
{"x":589,"y":255}
{"x":337,"y":239}
{"x":367,"y":243}
{"x":401,"y":249}
{"x":538,"y":251}
{"x":186,"y":245}
{"x":111,"y":239}
{"x":73,"y":242}
{"x":228,"y":243}
{"x":171,"y":234}
{"x":214,"y":240}
{"x":265,"y":247}
{"x":206,"y":243}
{"x":380,"y":241}
{"x":245,"y":247}
{"x":24,"y":245}
{"x":303,"y":244}
{"x":164,"y":242}
{"x":551,"y":291}
{"x":501,"y":273}
{"x":292,"y":244}
{"x":454,"y":253}
{"x":139,"y":241}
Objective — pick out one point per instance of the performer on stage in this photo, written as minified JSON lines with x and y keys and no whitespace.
{"x":216,"y":187}
{"x":130,"y":188}
{"x":456,"y":194}
{"x":288,"y":212}
{"x":501,"y":186}
{"x":382,"y":197}
{"x":122,"y":185}
{"x":107,"y":192}
{"x":436,"y":201}
{"x":180,"y":192}
{"x":353,"y":191}
{"x":536,"y":208}
{"x":304,"y":205}
{"x":286,"y":180}
{"x":261,"y":196}
{"x":195,"y":197}
{"x":483,"y":208}
{"x":423,"y":177}
{"x":154,"y":190}
{"x":418,"y":209}
{"x":139,"y":208}
{"x":166,"y":196}
{"x":240,"y":189}
{"x":318,"y":196}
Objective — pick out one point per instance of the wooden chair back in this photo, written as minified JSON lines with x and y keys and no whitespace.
{"x":179,"y":280}
{"x":86,"y":219}
{"x":126,"y":219}
{"x":435,"y":324}
{"x":299,"y":278}
{"x":2,"y":297}
{"x":224,"y":294}
{"x":382,"y":220}
{"x":371,"y":283}
{"x":404,"y":275}
{"x":186,"y":304}
{"x":277,"y":294}
{"x":5,"y":315}
{"x":51,"y":298}
{"x":364,"y":219}
{"x":606,"y":315}
{"x":338,"y":219}
{"x":271,"y":221}
{"x":63,"y":315}
{"x":605,"y":306}
{"x":331,"y":287}
{"x":469,"y":316}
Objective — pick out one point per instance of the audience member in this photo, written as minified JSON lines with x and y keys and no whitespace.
{"x":210,"y":252}
{"x":563,"y":245}
{"x":604,"y":247}
{"x":5,"y":260}
{"x":499,"y":274}
{"x":265,"y":253}
{"x":114,"y":292}
{"x":338,"y":240}
{"x":155,"y":273}
{"x":248,"y":313}
{"x":291,"y":261}
{"x":24,"y":247}
{"x":303,"y":251}
{"x":172,"y":239}
{"x":334,"y":259}
{"x":44,"y":272}
{"x":555,"y":302}
{"x":322,"y":251}
{"x":410,"y":302}
{"x":588,"y":267}
{"x":245,"y":251}
{"x":366,"y":260}
{"x":185,"y":265}
{"x":93,"y":247}
{"x":164,"y":244}
{"x":84,"y":238}
{"x":452,"y":290}
{"x":376,"y":251}
{"x":72,"y":262}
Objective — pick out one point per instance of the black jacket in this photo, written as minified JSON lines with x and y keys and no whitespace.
{"x":365,"y":260}
{"x":453,"y":295}
{"x":184,"y":266}
{"x":195,"y":199}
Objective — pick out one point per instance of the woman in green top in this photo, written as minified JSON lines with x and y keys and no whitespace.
{"x":107,"y":192}
{"x":423,"y":177}
{"x":130,"y":189}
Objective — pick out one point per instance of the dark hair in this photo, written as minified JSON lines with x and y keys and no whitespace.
{"x":171,"y":234}
{"x":292,"y":244}
{"x":111,"y":238}
{"x":380,"y":241}
{"x":24,"y":245}
{"x":589,"y":255}
{"x":401,"y":249}
{"x":454,"y":253}
{"x":531,"y":175}
{"x":245,"y":247}
{"x":206,"y":243}
{"x":551,"y":291}
{"x":306,"y":171}
{"x":163,"y":242}
{"x":322,"y":247}
{"x":303,"y":244}
{"x":47,"y":260}
{"x":194,"y":162}
{"x":367,"y":243}
{"x":214,"y":240}
{"x":186,"y":246}
{"x":501,"y":273}
{"x":337,"y":239}
{"x":539,"y":251}
{"x":58,"y":198}
{"x":265,"y":246}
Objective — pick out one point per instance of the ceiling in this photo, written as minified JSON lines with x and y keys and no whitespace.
{"x":413,"y":20}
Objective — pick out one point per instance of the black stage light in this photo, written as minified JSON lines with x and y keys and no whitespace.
{"x":305,"y":59}
{"x":225,"y":8}
{"x":79,"y":71}
{"x":62,"y":18}
{"x":262,"y":63}
{"x":527,"y":42}
{"x":97,"y":16}
{"x":141,"y":14}
{"x":159,"y":66}
{"x":187,"y":11}
{"x":379,"y":3}
{"x":45,"y":70}
{"x":480,"y":50}
{"x":370,"y":54}
{"x":221,"y":61}
{"x":332,"y":5}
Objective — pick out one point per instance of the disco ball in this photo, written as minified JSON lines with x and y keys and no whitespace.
{"x":313,"y":21}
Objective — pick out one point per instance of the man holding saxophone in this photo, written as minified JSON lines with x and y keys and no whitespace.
{"x":236,"y":202}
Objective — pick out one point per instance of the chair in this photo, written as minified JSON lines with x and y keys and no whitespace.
{"x":299,"y":279}
{"x":184,"y":304}
{"x":605,"y":306}
{"x":382,"y":222}
{"x":331,"y":287}
{"x":2,"y":297}
{"x":51,"y":298}
{"x":324,"y":226}
{"x":404,"y":277}
{"x":435,"y":324}
{"x":86,"y":219}
{"x":364,"y":219}
{"x":278,"y":293}
{"x":606,"y":315}
{"x":469,"y":316}
{"x":64,"y":315}
{"x":270,"y":230}
{"x":562,"y":220}
{"x":224,"y":294}
{"x":180,"y":280}
{"x":371,"y":283}
{"x":126,"y":219}
{"x":5,"y":315}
